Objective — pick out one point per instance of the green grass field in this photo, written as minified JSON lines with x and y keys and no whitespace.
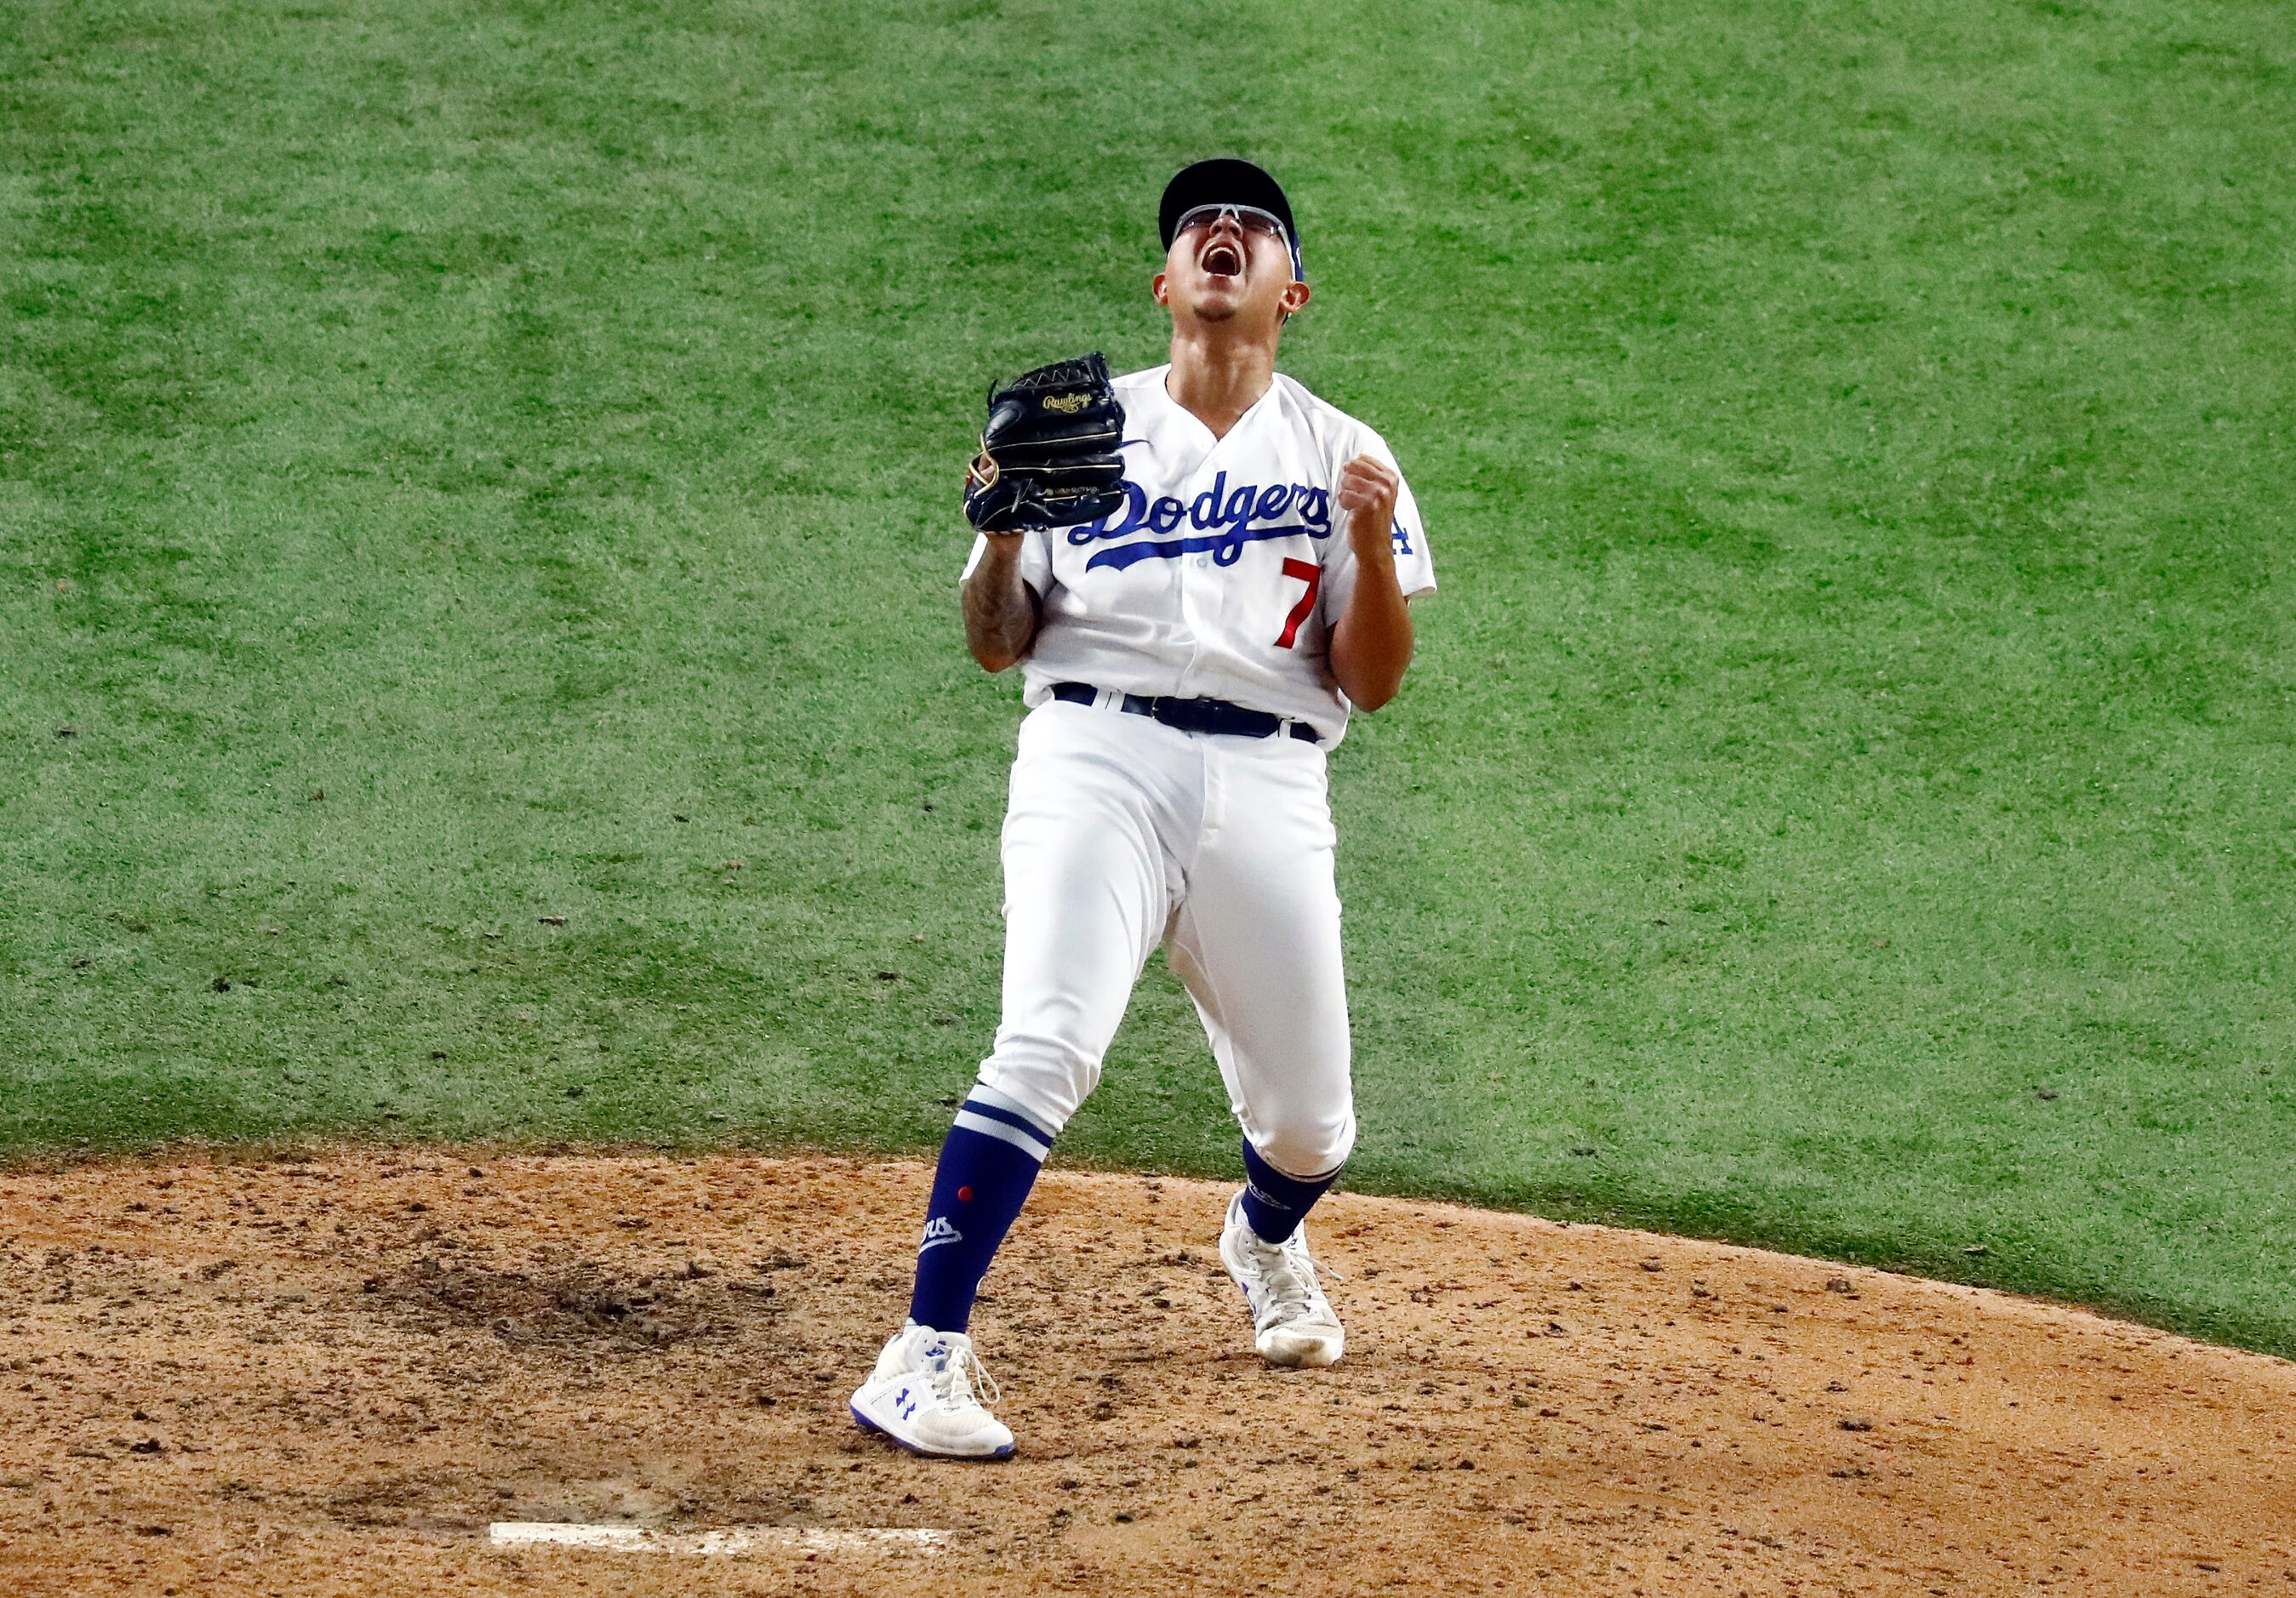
{"x":465,"y":463}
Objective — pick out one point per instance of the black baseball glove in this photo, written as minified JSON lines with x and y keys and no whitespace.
{"x":1048,"y":455}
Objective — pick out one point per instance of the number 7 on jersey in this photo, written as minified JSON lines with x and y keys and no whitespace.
{"x":1311,"y":574}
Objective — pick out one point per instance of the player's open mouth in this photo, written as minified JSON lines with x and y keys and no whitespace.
{"x":1221,"y":259}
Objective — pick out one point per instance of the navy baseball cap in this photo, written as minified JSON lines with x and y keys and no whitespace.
{"x":1224,"y":180}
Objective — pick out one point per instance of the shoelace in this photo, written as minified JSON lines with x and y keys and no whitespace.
{"x":954,"y":1376}
{"x":1290,"y":1278}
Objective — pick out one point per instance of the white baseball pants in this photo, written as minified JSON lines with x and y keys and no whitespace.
{"x":1123,"y":834}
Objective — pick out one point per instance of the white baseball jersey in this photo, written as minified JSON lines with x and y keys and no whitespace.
{"x":1226,"y":571}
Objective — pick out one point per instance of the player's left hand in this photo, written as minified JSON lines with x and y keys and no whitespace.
{"x":1367,"y":489}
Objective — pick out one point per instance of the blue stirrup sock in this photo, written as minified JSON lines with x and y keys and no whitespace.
{"x":988,"y":1162}
{"x":1274,"y":1203}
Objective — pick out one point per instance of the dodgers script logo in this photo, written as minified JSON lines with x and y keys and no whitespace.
{"x":1225,"y":519}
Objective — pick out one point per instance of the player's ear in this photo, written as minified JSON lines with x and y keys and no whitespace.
{"x":1294,"y":297}
{"x":1158,"y":291}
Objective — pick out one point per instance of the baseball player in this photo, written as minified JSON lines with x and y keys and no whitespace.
{"x":1192,"y":644}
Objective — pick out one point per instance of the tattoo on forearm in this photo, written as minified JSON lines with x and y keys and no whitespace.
{"x":1000,"y":613}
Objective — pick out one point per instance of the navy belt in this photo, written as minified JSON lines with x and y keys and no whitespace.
{"x":1192,"y":715}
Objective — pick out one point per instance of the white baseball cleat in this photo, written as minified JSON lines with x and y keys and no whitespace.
{"x":920,"y":1395}
{"x":1292,"y":1320}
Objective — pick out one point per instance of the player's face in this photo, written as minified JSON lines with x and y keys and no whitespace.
{"x":1230,"y":265}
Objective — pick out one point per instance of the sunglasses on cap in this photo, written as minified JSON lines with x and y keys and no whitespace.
{"x":1250,"y":218}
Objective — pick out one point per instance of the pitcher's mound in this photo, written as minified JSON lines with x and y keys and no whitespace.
{"x":333,"y":1375}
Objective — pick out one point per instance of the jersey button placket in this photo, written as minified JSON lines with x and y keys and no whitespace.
{"x":1192,"y":573}
{"x":1203,"y":578}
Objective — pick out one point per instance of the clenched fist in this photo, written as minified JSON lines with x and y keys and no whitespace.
{"x":1367,"y":491}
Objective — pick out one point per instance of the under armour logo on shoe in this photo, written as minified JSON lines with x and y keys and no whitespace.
{"x":938,"y":1231}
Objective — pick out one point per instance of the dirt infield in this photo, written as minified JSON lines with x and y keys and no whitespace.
{"x":331,"y":1375}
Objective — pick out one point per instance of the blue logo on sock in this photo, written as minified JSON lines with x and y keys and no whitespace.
{"x":938,"y":1231}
